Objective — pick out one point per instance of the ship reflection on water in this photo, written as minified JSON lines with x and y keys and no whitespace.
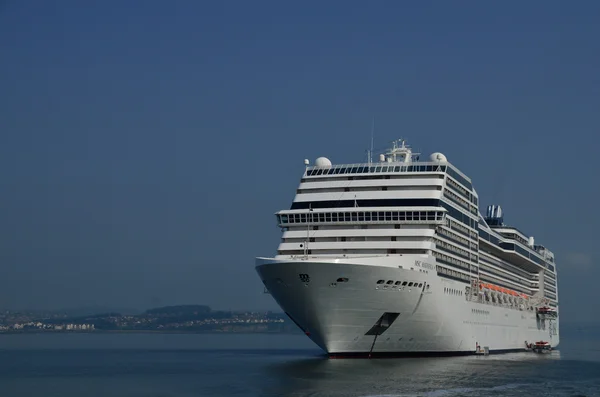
{"x":513,"y":374}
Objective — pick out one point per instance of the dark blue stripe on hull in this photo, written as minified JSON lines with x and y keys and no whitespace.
{"x":417,"y":354}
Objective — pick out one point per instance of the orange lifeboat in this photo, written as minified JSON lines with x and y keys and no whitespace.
{"x":501,"y":289}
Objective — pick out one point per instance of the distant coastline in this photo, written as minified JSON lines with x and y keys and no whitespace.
{"x":183,"y":319}
{"x":134,"y":331}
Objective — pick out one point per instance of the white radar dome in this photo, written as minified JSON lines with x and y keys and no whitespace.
{"x":322,"y":162}
{"x":437,"y":157}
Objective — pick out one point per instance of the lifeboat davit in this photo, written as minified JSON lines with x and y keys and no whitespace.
{"x":547,"y":312}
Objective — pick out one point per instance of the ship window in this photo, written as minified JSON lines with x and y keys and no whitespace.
{"x":353,"y":170}
{"x":398,"y":282}
{"x":397,"y":168}
{"x":410,"y":284}
{"x":431,"y":216}
{"x":420,"y":285}
{"x":402,"y":216}
{"x":361,"y":216}
{"x":347,"y":216}
{"x":321,"y":217}
{"x":388,"y":216}
{"x":380,"y":281}
{"x":394,"y":216}
{"x":404,"y":283}
{"x":409,"y":216}
{"x":390,"y":282}
{"x":342,"y":280}
{"x":377,"y":169}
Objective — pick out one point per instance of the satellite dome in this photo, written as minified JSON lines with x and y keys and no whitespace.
{"x":438,"y":157}
{"x":322,"y":162}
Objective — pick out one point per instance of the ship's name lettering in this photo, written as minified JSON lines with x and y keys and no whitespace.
{"x":424,"y":265}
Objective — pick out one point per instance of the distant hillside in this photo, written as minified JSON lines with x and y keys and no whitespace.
{"x":180,"y":318}
{"x":179,"y":310}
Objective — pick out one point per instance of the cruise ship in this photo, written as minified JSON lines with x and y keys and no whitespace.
{"x":393,"y":257}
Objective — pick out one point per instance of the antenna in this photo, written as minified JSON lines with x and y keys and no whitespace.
{"x":372,"y":133}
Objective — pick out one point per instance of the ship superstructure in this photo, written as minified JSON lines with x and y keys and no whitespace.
{"x":393,"y":257}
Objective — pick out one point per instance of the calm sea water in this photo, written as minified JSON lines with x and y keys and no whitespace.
{"x":168,"y":365}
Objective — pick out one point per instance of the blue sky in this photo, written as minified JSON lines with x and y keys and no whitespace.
{"x":145,"y":145}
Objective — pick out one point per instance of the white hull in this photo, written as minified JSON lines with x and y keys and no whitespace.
{"x":437,"y":320}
